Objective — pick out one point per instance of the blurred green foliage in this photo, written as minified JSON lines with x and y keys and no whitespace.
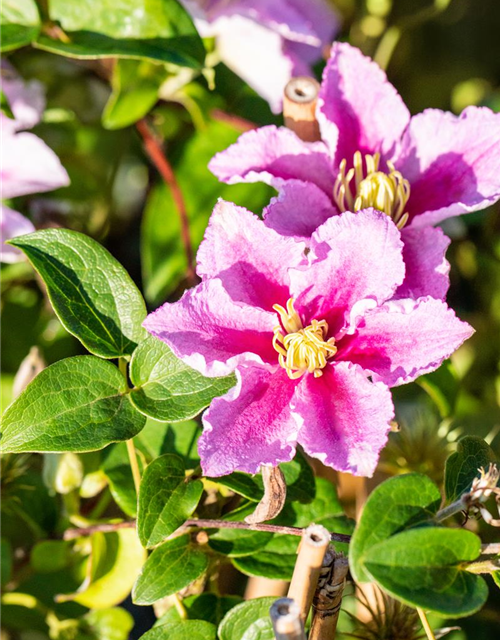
{"x":439,"y":53}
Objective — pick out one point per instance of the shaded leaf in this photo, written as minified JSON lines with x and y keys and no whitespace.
{"x":206,"y":606}
{"x":19,"y":23}
{"x":161,"y":31}
{"x":77,"y":404}
{"x":397,"y":504}
{"x":248,"y":621}
{"x":166,"y":499}
{"x":422,"y":567}
{"x":135,"y":85}
{"x":443,"y":387}
{"x":182,"y":630}
{"x":91,"y":293}
{"x":108,"y":624}
{"x":169,"y":569}
{"x":166,"y":389}
{"x":463,"y":465}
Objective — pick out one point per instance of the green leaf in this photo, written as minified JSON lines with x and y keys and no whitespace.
{"x":443,"y":387}
{"x":77,"y":404}
{"x":422,"y":567}
{"x":166,"y":388}
{"x":169,"y":569}
{"x":48,"y":556}
{"x":160,"y":30}
{"x":163,"y":256}
{"x":92,"y":294}
{"x":135,"y":85}
{"x":116,"y":559}
{"x":275,"y":561}
{"x":395,"y":505}
{"x":206,"y":606}
{"x":19,"y":23}
{"x":248,"y":621}
{"x":5,"y":106}
{"x":166,"y":499}
{"x":299,"y":478}
{"x":180,"y":438}
{"x":6,"y":561}
{"x":108,"y":624}
{"x":463,"y":465}
{"x":182,"y":630}
{"x":238,"y":542}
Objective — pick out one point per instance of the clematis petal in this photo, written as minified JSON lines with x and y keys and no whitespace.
{"x":26,"y":99}
{"x":29,"y":166}
{"x":273,"y":155}
{"x":251,"y":425}
{"x":359,"y":257}
{"x":452,"y":163}
{"x":427,"y":268}
{"x":251,"y":259}
{"x":279,"y":16}
{"x":404,"y":339}
{"x":345,"y":418}
{"x":298,"y":210}
{"x":358,"y":109}
{"x":255,"y":53}
{"x":212,"y":333}
{"x":12,"y":224}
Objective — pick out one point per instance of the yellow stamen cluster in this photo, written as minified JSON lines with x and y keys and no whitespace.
{"x":387,"y":192}
{"x":301,"y":350}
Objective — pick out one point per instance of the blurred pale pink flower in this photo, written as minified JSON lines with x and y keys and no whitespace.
{"x":419,"y":170}
{"x":28,"y":164}
{"x":266,"y":42}
{"x":314,"y":338}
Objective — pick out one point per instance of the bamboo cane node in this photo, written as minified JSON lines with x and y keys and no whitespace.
{"x":299,"y":108}
{"x":286,"y":620}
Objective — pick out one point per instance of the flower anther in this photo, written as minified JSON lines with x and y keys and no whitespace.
{"x":386,"y":191}
{"x":301,"y":349}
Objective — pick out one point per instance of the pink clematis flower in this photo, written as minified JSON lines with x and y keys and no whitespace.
{"x":313,"y":337}
{"x":28,"y":164}
{"x":418,"y":170}
{"x":266,"y":42}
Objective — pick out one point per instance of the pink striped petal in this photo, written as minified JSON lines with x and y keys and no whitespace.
{"x":345,"y":418}
{"x":251,"y":425}
{"x":298,"y":210}
{"x":273,"y":155}
{"x":427,"y":268}
{"x":212,"y":333}
{"x":404,"y":339}
{"x":251,"y":259}
{"x":358,"y":109}
{"x":359,"y":257}
{"x":452,"y":163}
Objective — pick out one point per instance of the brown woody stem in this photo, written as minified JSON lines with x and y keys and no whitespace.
{"x":69,"y":534}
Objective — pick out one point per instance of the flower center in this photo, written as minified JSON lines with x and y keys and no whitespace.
{"x":365,"y":186}
{"x":301,"y":350}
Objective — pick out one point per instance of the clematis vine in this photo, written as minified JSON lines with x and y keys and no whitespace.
{"x":418,"y":170}
{"x":266,"y":43}
{"x":28,"y":165}
{"x":315,"y":339}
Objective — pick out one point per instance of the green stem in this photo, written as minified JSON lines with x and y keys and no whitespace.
{"x":134,"y":465}
{"x":452,"y":509}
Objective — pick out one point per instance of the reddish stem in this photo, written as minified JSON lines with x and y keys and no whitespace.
{"x":159,"y":159}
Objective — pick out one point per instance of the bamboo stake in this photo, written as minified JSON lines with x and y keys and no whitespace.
{"x":328,"y":597}
{"x":312,"y":550}
{"x":299,"y":108}
{"x":287,"y":623}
